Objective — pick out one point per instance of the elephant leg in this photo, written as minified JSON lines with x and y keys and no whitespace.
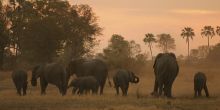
{"x":43,"y":84}
{"x":19,"y":91}
{"x":24,"y":88}
{"x":81,"y":91}
{"x":18,"y":88}
{"x":123,"y":89}
{"x":195,"y":90}
{"x":117,"y":90}
{"x":195,"y":93}
{"x":74,"y":90}
{"x":206,"y":90}
{"x":160,"y":85}
{"x":155,"y":91}
{"x":126,"y":90}
{"x":200,"y":92}
{"x":101,"y":88}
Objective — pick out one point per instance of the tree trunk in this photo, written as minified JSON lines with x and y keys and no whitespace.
{"x":151,"y":51}
{"x":208,"y":44}
{"x":188,"y":49}
{"x":1,"y":58}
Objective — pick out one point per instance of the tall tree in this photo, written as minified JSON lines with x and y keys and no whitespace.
{"x":150,"y":39}
{"x":166,"y":42}
{"x":4,"y":37}
{"x":188,"y":33}
{"x":208,"y":31}
{"x":218,"y":30}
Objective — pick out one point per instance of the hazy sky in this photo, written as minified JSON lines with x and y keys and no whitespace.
{"x":134,"y":18}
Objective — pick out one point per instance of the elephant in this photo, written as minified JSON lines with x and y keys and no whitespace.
{"x":122,"y":78}
{"x":19,"y":78}
{"x":52,"y":73}
{"x":166,"y":70}
{"x":199,"y":84}
{"x":84,"y":84}
{"x":94,"y":67}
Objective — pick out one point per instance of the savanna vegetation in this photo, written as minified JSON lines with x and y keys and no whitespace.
{"x":42,"y":31}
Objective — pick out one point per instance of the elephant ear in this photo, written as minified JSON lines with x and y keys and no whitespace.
{"x":158,"y":56}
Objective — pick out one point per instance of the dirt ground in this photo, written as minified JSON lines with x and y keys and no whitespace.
{"x":138,"y":97}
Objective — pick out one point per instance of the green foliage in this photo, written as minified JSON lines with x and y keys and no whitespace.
{"x":4,"y":34}
{"x":150,"y":39}
{"x":42,"y":30}
{"x":188,"y":33}
{"x":166,"y":42}
{"x":218,"y":30}
{"x":121,"y":53}
{"x":214,"y":54}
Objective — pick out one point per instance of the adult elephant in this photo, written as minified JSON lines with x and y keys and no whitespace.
{"x":94,"y":67}
{"x":166,"y":70}
{"x":122,"y":78}
{"x":52,"y":73}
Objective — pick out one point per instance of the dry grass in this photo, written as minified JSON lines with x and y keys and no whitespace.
{"x":182,"y":90}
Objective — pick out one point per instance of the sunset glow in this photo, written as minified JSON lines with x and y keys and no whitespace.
{"x":133,"y":19}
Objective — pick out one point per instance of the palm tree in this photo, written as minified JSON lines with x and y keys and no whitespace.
{"x":188,"y":33}
{"x":149,"y":39}
{"x":208,"y":31}
{"x":218,"y":30}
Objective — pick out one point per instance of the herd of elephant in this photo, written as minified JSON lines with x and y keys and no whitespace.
{"x":91,"y":76}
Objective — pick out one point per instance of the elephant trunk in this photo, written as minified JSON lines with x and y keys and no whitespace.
{"x":136,"y":79}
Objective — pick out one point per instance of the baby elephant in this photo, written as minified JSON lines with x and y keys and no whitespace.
{"x":122,"y":78}
{"x":84,"y":84}
{"x":199,"y":84}
{"x":19,"y":78}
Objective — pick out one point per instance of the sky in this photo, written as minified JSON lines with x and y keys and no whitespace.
{"x":134,"y":18}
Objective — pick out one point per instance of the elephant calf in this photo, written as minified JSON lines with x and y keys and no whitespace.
{"x":19,"y":78}
{"x":122,"y":78}
{"x":199,"y":84}
{"x":84,"y":84}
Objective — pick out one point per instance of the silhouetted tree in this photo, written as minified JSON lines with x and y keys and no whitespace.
{"x":150,"y":39}
{"x":188,"y":33}
{"x":121,"y":53}
{"x":4,"y":37}
{"x":208,"y":31}
{"x":166,"y":42}
{"x":218,"y":30}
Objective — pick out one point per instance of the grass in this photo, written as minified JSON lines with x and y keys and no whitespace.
{"x":182,"y":91}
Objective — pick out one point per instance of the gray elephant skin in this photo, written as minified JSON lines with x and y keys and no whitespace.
{"x":200,"y":84}
{"x":19,"y":78}
{"x":53,"y":73}
{"x":94,"y":67}
{"x":84,"y":84}
{"x":166,"y":70}
{"x":121,"y":80}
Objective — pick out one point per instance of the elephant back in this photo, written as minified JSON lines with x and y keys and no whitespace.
{"x":166,"y":66}
{"x":19,"y":76}
{"x":55,"y":73}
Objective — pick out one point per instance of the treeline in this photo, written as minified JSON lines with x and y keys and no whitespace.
{"x":39,"y":31}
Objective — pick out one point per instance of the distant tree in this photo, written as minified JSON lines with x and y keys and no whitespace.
{"x":208,"y":31}
{"x":218,"y":30}
{"x":214,"y":54}
{"x":121,"y":53}
{"x":188,"y":33}
{"x":203,"y":51}
{"x":135,"y":48}
{"x":166,"y":42}
{"x":150,"y":39}
{"x":118,"y":52}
